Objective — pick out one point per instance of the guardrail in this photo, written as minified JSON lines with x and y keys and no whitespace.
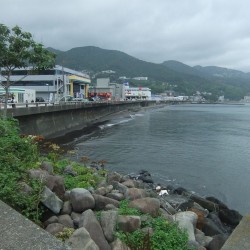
{"x":39,"y":104}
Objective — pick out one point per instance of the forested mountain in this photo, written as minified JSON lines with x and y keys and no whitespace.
{"x":170,"y":75}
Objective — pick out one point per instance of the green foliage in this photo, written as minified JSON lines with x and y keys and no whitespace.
{"x":124,"y":209}
{"x":85,"y":176}
{"x":18,"y":155}
{"x":65,"y":234}
{"x":166,"y":235}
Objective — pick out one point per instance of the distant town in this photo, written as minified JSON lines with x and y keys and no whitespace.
{"x":64,"y":84}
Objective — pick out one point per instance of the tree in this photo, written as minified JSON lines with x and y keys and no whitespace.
{"x":19,"y":50}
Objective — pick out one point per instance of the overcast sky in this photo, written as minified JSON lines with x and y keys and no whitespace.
{"x":195,"y":32}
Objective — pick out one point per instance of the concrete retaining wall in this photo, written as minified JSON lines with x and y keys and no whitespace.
{"x":57,"y":120}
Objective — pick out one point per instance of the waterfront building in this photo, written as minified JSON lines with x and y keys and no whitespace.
{"x":107,"y":90}
{"x":52,"y":84}
{"x":18,"y":95}
{"x":246,"y":98}
{"x":137,"y":93}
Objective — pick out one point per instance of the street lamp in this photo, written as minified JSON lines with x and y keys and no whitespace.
{"x":48,"y":90}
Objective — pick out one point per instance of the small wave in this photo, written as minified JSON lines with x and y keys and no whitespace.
{"x":106,"y":126}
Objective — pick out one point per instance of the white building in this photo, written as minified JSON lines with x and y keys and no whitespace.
{"x":137,"y":93}
{"x":20,"y":95}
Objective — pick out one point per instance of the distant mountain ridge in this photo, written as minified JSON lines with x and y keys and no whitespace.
{"x":171,"y":74}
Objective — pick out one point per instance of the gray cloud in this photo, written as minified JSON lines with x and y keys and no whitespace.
{"x":205,"y":32}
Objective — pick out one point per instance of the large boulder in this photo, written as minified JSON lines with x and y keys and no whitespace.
{"x":146,"y":205}
{"x":47,"y":166}
{"x":81,"y":240}
{"x":81,"y":199}
{"x":76,"y":218}
{"x":56,"y":185}
{"x":38,"y":174}
{"x":128,"y":223}
{"x":145,"y":176}
{"x":120,"y":187}
{"x":187,"y":220}
{"x":50,"y":220}
{"x":108,"y":223}
{"x":113,"y":176}
{"x":89,"y":221}
{"x":116,"y":196}
{"x":66,"y":220}
{"x":135,"y":193}
{"x":179,"y":202}
{"x":119,"y":245}
{"x":67,"y":208}
{"x":217,"y":242}
{"x":54,"y":228}
{"x":210,"y":228}
{"x":129,"y":183}
{"x":230,"y":217}
{"x":51,"y":201}
{"x":102,"y":201}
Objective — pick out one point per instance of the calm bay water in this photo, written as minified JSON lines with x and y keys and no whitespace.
{"x":204,"y":148}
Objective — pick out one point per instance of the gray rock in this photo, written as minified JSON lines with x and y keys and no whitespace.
{"x":119,"y":245}
{"x":110,"y":207}
{"x":210,"y":228}
{"x":116,"y":196}
{"x":52,"y":219}
{"x":81,"y":240}
{"x":51,"y":201}
{"x":56,"y":185}
{"x":38,"y":174}
{"x":89,"y":221}
{"x":108,"y":223}
{"x":47,"y":166}
{"x":200,"y":237}
{"x":69,"y":170}
{"x":166,"y":215}
{"x":101,"y":191}
{"x":187,"y":220}
{"x":129,"y":183}
{"x":217,"y":242}
{"x":120,"y":187}
{"x":113,"y":176}
{"x":146,"y":205}
{"x":67,"y":208}
{"x":178,"y":202}
{"x":25,"y":188}
{"x":66,"y":220}
{"x":135,"y":193}
{"x":54,"y":228}
{"x":128,"y":223}
{"x":215,"y":218}
{"x":167,"y":207}
{"x":66,"y":195}
{"x":76,"y":218}
{"x":81,"y":199}
{"x":206,"y":204}
{"x":102,"y":201}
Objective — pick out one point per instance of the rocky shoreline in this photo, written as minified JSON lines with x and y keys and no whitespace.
{"x":207,"y":221}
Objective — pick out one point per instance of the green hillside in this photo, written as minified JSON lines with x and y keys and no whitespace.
{"x":170,"y":75}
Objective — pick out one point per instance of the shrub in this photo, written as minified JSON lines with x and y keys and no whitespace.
{"x":18,"y":155}
{"x":166,"y":235}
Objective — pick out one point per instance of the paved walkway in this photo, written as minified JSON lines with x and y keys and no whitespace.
{"x":240,"y":238}
{"x":19,"y":233}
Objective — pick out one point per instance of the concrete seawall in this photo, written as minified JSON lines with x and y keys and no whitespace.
{"x":57,"y":120}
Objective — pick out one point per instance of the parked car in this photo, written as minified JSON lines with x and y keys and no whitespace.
{"x":40,"y":99}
